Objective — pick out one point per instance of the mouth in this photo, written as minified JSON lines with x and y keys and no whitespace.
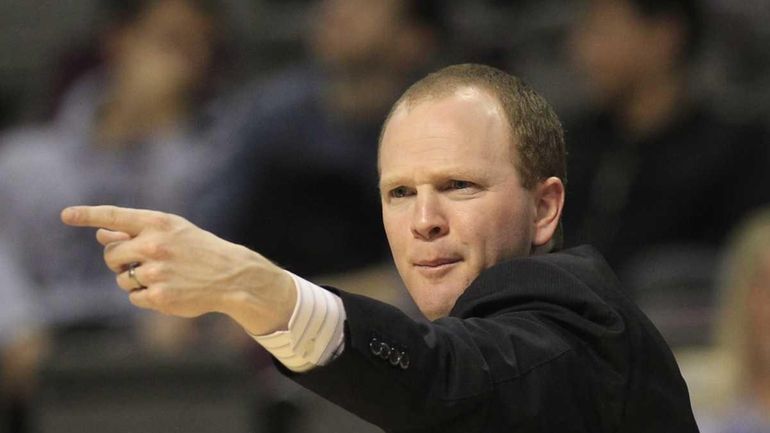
{"x":435,"y":268}
{"x":436,"y":263}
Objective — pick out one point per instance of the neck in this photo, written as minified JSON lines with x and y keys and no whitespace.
{"x":652,"y":104}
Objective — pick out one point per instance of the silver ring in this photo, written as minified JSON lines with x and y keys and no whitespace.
{"x":132,"y":274}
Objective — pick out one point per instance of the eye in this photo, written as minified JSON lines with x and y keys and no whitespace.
{"x":399,"y":192}
{"x":460,"y":184}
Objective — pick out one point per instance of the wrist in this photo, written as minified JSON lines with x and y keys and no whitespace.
{"x":264,"y":299}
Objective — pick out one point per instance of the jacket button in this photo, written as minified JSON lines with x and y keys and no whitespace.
{"x":404,"y":361}
{"x":384,"y":350}
{"x":374,"y":346}
{"x":395,"y":357}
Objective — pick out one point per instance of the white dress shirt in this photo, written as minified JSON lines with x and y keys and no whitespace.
{"x":315,"y":334}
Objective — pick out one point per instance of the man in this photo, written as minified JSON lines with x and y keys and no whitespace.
{"x":138,"y":109}
{"x":471,"y":165}
{"x":657,"y":177}
{"x":653,"y":169}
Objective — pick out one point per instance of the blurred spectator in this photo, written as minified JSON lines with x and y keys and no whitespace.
{"x":656,"y":179}
{"x":21,"y":343}
{"x":138,"y":110}
{"x":738,"y":61}
{"x":127,"y":132}
{"x":736,"y":373}
{"x":302,"y":186}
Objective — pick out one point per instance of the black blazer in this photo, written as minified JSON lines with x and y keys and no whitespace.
{"x":541,"y":344}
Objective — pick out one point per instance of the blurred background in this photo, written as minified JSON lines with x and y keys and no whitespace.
{"x":258,"y":120}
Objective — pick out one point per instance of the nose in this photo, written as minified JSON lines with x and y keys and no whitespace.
{"x":428,"y":219}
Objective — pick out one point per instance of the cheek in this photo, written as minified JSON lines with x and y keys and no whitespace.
{"x":507,"y":235}
{"x":389,"y":222}
{"x":396,"y":230}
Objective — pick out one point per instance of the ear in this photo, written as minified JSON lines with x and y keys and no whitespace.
{"x":549,"y":202}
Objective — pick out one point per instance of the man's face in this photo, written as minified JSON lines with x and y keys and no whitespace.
{"x":165,"y":52}
{"x":452,"y":201}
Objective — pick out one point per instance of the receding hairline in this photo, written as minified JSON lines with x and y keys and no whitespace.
{"x":438,"y":92}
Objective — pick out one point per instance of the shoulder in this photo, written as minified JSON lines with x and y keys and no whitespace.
{"x":572,"y":293}
{"x":575,"y":275}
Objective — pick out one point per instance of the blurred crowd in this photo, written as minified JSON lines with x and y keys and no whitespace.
{"x":259,"y":120}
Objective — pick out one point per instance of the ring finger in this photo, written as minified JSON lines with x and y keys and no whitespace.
{"x":131,"y":278}
{"x":118,"y":255}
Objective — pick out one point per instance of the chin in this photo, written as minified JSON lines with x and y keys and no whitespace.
{"x":434,"y":314}
{"x":437,"y":308}
{"x":435,"y":299}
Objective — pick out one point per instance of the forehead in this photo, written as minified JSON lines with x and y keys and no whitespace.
{"x":466,"y":127}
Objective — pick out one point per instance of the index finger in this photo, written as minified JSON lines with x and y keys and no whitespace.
{"x":130,"y":221}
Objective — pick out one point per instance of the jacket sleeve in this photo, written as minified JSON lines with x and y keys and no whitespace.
{"x":528,"y":351}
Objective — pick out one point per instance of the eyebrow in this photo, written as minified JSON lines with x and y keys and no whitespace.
{"x":441,"y":173}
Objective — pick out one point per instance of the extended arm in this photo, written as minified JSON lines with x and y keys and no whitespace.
{"x":459,"y":374}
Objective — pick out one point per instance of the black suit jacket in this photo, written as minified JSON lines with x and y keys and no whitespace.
{"x":541,"y":344}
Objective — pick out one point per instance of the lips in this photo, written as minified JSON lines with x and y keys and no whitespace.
{"x":436,"y":268}
{"x":435,"y":263}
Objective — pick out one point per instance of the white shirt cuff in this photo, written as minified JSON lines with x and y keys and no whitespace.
{"x":316,"y":329}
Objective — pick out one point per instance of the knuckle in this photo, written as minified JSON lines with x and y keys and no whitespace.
{"x":159,"y":296}
{"x":110,"y":261}
{"x":111,"y":215}
{"x":161,"y":221}
{"x":134,"y":301}
{"x":156,"y":249}
{"x":121,"y":282}
{"x":137,"y":299}
{"x":153,"y":294}
{"x":108,"y":249}
{"x":154,"y":273}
